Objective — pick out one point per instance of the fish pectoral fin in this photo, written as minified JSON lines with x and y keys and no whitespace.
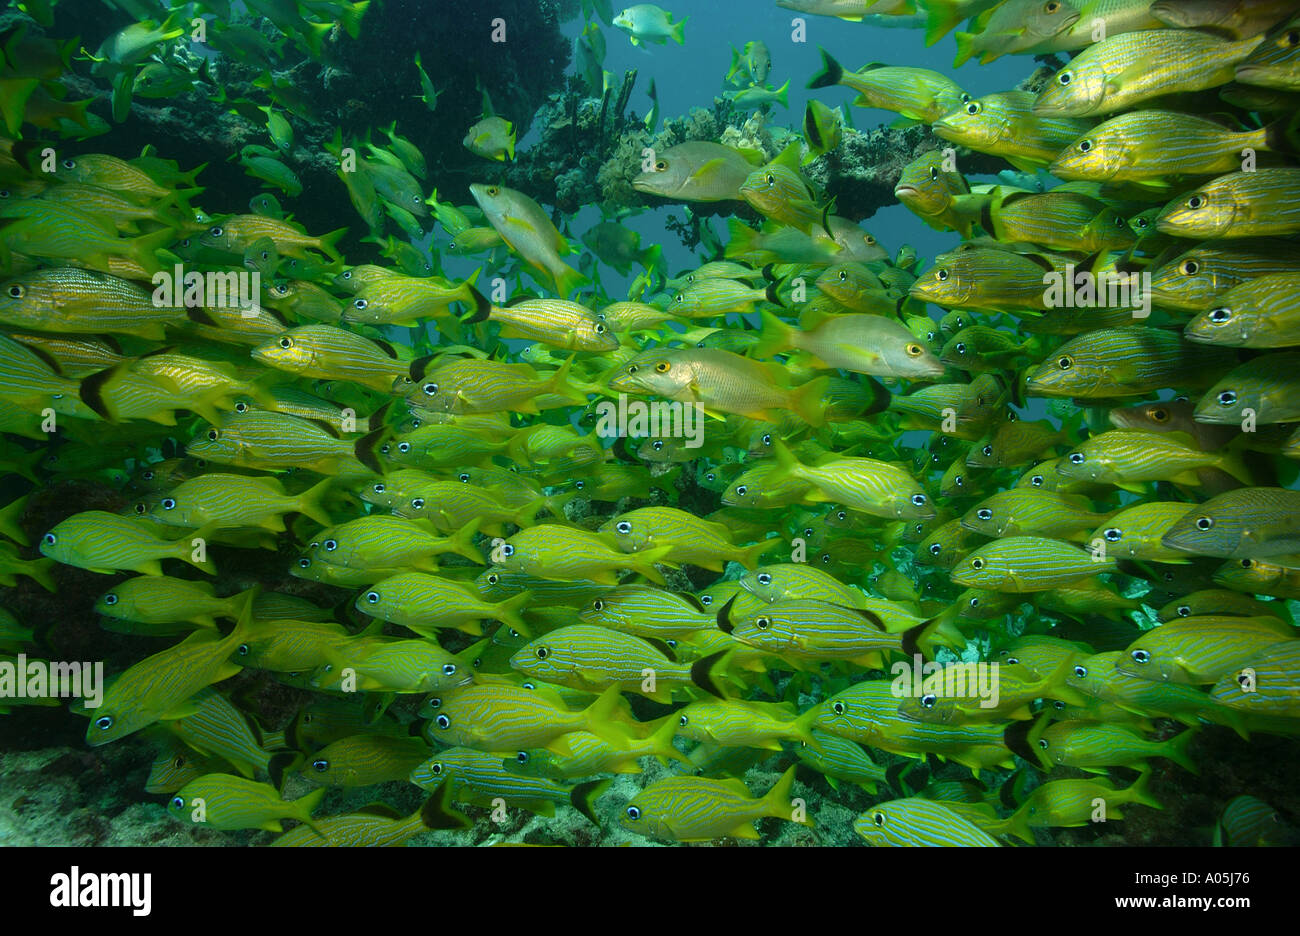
{"x":744,"y":831}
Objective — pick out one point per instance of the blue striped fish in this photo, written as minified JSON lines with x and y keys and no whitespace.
{"x":919,"y":823}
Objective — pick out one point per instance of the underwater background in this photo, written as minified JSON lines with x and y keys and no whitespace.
{"x":824,"y":422}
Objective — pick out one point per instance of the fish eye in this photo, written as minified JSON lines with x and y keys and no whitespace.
{"x":1080,"y":671}
{"x":435,"y":769}
{"x":372,"y":597}
{"x":1204,"y":523}
{"x":633,"y":813}
{"x":1227,"y":398}
{"x":918,"y":500}
{"x":657,"y":445}
{"x":661,"y":165}
{"x":767,"y":438}
{"x":599,"y":329}
{"x":1159,"y":415}
{"x":1220,"y":315}
{"x":168,"y":503}
{"x":379,"y":488}
{"x":580,"y":485}
{"x":320,"y":765}
{"x":1051,"y":6}
{"x":1042,"y":743}
{"x":1196,"y":201}
{"x":763,"y":623}
{"x":842,"y":515}
{"x":1141,"y":657}
{"x":241,"y":407}
{"x":987,"y":451}
{"x":286,"y":342}
{"x":1189,"y":268}
{"x":1113,"y":534}
{"x":974,"y":603}
{"x":984,"y":513}
{"x":449,"y":669}
{"x":493,"y":579}
{"x":663,"y":367}
{"x":1063,"y":78}
{"x":710,"y":477}
{"x":48,"y":539}
{"x":443,"y":722}
{"x":242,"y":649}
{"x":417,"y":503}
{"x":935,"y":549}
{"x":934,"y":173}
{"x":463,"y":477}
{"x":1085,"y":146}
{"x":507,"y":550}
{"x":1184,"y":610}
{"x":683,"y":721}
{"x":960,"y":347}
{"x":104,"y":722}
{"x":304,"y":563}
{"x":878,"y":818}
{"x":598,"y":605}
{"x":960,"y":481}
{"x":1077,"y":458}
{"x":741,"y":490}
{"x":178,"y":802}
{"x":838,"y":708}
{"x":915,"y":350}
{"x":1036,"y":480}
{"x":624,"y":527}
{"x":977,"y":563}
{"x":16,"y":291}
{"x":844,"y":276}
{"x":1247,"y":563}
{"x":213,"y":435}
{"x":493,"y":191}
{"x":147,"y":476}
{"x":543,"y":653}
{"x":110,"y":599}
{"x":1065,"y":362}
{"x":941,"y":275}
{"x":770,"y":179}
{"x":973,"y":108}
{"x":141,"y":507}
{"x":706,"y":600}
{"x":764,"y":578}
{"x":359,"y":304}
{"x":403,"y":447}
{"x":216,"y":231}
{"x":632,"y":368}
{"x":330,"y":545}
{"x":928,"y":701}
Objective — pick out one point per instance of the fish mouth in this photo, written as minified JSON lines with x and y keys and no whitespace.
{"x":908,"y":190}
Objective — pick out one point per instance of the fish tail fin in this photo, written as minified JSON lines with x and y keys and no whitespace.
{"x":661,"y":742}
{"x":462,"y":542}
{"x":437,"y":812}
{"x":194,"y":550}
{"x":1176,"y":750}
{"x":941,"y":17}
{"x":830,"y":74}
{"x":782,"y":94}
{"x":1283,"y":134}
{"x":603,"y":715}
{"x":366,"y":449}
{"x":569,"y":280}
{"x":329,"y":243}
{"x":751,"y":555}
{"x":310,"y":502}
{"x":965,"y":47}
{"x":350,"y":19}
{"x":678,"y":30}
{"x":741,"y":239}
{"x":583,"y":797}
{"x":313,"y":36}
{"x":708,"y":672}
{"x":482,"y":307}
{"x":304,"y":806}
{"x":1017,"y":824}
{"x":143,"y":249}
{"x":777,"y":800}
{"x":39,"y":571}
{"x":1233,"y":462}
{"x":1140,"y":793}
{"x":510,"y":612}
{"x":808,"y":401}
{"x":279,"y":766}
{"x":774,"y":337}
{"x":803,"y":726}
{"x":559,"y":382}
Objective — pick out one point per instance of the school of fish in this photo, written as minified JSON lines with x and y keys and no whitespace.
{"x":787,"y":510}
